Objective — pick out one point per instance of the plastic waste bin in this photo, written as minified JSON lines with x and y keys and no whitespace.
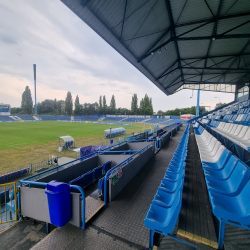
{"x":59,"y":201}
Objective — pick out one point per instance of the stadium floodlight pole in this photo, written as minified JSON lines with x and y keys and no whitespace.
{"x":34,"y":70}
{"x":198,"y":103}
{"x":110,"y":135}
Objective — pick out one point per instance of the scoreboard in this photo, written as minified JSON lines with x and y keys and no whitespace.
{"x":4,"y":109}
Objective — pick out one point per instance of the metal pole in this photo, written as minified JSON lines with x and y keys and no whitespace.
{"x":34,"y":69}
{"x":110,"y":134}
{"x":198,"y":103}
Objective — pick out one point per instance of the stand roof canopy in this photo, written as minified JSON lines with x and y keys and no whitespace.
{"x":177,"y":44}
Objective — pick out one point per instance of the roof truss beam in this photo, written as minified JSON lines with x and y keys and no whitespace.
{"x":230,"y":55}
{"x":170,"y":15}
{"x":208,"y":68}
{"x":176,"y":39}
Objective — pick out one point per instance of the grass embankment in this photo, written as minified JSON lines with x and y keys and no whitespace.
{"x":28,"y":142}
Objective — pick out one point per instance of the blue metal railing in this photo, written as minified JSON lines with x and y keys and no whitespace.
{"x":71,"y":186}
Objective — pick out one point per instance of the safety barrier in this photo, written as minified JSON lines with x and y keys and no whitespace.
{"x":82,"y":197}
{"x":227,"y":180}
{"x":114,"y":170}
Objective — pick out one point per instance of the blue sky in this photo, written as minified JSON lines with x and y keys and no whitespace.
{"x":71,"y":57}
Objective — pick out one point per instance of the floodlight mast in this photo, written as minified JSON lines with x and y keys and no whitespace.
{"x":34,"y":70}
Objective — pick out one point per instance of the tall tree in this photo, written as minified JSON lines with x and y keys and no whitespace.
{"x":77,"y":106}
{"x":100,"y":102}
{"x":100,"y":110}
{"x":69,"y":104}
{"x":27,"y":103}
{"x":142,"y":107}
{"x":134,"y":104}
{"x":112,"y":103}
{"x":104,"y":104}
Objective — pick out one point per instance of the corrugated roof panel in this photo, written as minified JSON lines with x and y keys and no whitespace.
{"x":230,"y":7}
{"x":198,"y":9}
{"x":165,"y":58}
{"x":109,"y":12}
{"x":225,"y":25}
{"x":173,"y":88}
{"x":136,"y":45}
{"x":234,"y":77}
{"x":227,"y":46}
{"x":193,"y":48}
{"x":205,"y":30}
{"x":165,"y":69}
{"x":211,"y":78}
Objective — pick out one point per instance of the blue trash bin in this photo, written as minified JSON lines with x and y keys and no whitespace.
{"x":59,"y":200}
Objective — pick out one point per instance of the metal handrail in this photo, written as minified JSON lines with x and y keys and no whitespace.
{"x":71,"y":186}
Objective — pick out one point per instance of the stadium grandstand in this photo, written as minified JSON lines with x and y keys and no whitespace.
{"x":184,"y":186}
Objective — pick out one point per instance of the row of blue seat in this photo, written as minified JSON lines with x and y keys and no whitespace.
{"x":227,"y":181}
{"x":68,"y":144}
{"x":13,"y":175}
{"x":235,"y":108}
{"x":162,"y":133}
{"x":166,"y":205}
{"x":87,"y":178}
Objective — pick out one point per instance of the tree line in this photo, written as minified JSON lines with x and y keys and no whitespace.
{"x":65,"y":107}
{"x":182,"y":111}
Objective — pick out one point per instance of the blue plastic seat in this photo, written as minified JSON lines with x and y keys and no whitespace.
{"x":235,"y":208}
{"x":106,"y":167}
{"x":175,"y":170}
{"x":225,"y":172}
{"x":97,"y":172}
{"x":221,"y":163}
{"x":169,"y":186}
{"x":165,"y":199}
{"x":86,"y":179}
{"x":234,"y":184}
{"x":174,"y":177}
{"x":163,"y":219}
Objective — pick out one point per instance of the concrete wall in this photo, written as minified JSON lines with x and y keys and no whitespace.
{"x":137,"y":145}
{"x":129,"y":171}
{"x":116,"y":159}
{"x":122,"y":147}
{"x":34,"y":204}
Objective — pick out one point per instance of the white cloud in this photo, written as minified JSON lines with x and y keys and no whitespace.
{"x":70,"y":57}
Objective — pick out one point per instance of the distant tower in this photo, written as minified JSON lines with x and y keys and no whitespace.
{"x":34,"y":70}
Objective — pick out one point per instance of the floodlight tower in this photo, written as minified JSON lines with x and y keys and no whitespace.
{"x":34,"y":70}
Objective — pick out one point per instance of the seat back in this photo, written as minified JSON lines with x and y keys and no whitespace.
{"x":97,"y":172}
{"x":238,"y":129}
{"x":247,"y":134}
{"x":230,"y":128}
{"x":243,"y":131}
{"x":235,"y":126}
